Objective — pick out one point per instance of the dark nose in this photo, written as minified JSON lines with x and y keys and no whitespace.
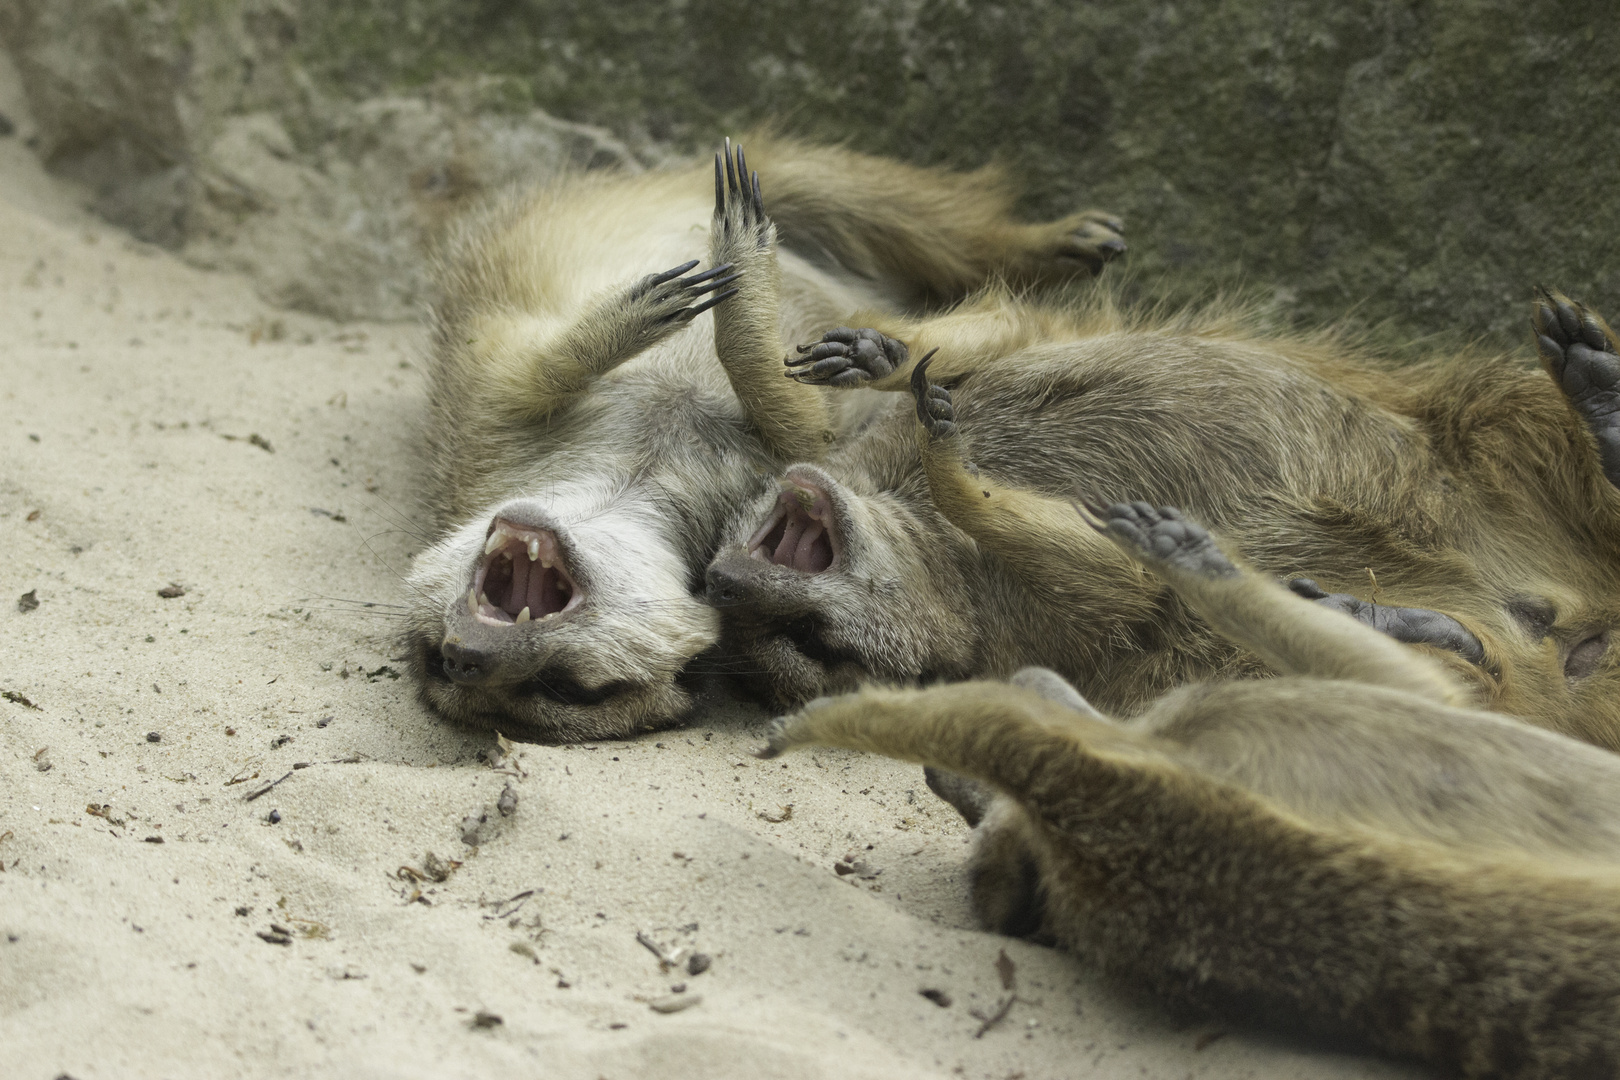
{"x":724,"y":589}
{"x":466,"y":665}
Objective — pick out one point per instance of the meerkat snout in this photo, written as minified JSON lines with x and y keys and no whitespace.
{"x":465,"y":664}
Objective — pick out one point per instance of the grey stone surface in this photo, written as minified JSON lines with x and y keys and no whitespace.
{"x":1421,"y":162}
{"x":195,"y":127}
{"x":1415,"y":165}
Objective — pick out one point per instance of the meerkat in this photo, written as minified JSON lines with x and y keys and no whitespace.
{"x":1345,"y":848}
{"x":594,"y":418}
{"x":1466,"y":505}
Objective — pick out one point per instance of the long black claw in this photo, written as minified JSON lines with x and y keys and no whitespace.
{"x":742,"y":169}
{"x":698,"y":279}
{"x":699,"y":309}
{"x":1091,"y":512}
{"x":669,"y":275}
{"x":713,"y":285}
{"x":759,"y":199}
{"x":719,"y":185}
{"x":919,"y":378}
{"x":731,"y":179}
{"x":919,"y":387}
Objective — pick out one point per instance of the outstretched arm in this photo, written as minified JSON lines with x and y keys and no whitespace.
{"x":532,"y":368}
{"x":792,"y":419}
{"x":1291,"y":635}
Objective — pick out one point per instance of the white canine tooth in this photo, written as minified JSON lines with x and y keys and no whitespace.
{"x":534,"y":549}
{"x":472,"y":602}
{"x":483,"y":598}
{"x":496,"y":539}
{"x":523,"y":616}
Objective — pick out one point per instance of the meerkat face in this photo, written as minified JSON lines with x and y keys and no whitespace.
{"x":822,"y":587}
{"x":556,"y":631}
{"x":1560,"y":666}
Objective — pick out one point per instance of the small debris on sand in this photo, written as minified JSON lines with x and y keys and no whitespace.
{"x":938,"y":997}
{"x":28,"y":601}
{"x":674,"y":1003}
{"x":172,"y":590}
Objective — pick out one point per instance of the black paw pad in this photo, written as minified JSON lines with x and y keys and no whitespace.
{"x":1163,"y":535}
{"x":846,"y":357}
{"x":1578,"y":350}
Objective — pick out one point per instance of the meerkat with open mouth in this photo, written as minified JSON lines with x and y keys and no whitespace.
{"x":595,"y":418}
{"x":1467,"y":506}
{"x":1345,"y":848}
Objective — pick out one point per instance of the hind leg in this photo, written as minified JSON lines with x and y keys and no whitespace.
{"x":1294,"y":637}
{"x":1582,"y":355}
{"x":937,"y":234}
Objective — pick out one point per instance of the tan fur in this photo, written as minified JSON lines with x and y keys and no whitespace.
{"x":1337,"y":846}
{"x":572,"y":400}
{"x":1465,"y":485}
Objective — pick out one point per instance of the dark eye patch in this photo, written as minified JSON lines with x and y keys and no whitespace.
{"x":1584,"y":658}
{"x":1534,"y":614}
{"x":564,"y":689}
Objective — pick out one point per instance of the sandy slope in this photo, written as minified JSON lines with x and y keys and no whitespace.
{"x":130,"y":389}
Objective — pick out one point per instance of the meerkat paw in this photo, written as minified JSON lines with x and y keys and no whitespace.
{"x":1162,"y":537}
{"x":934,"y":408}
{"x":1411,"y":626}
{"x":742,"y":231}
{"x":668,"y":301}
{"x":845,"y":357}
{"x":1081,"y":243}
{"x":1582,"y":355}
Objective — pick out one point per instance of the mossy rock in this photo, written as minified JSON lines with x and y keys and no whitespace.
{"x":1419,"y":166}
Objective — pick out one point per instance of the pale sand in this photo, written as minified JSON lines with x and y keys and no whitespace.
{"x":120,"y":957}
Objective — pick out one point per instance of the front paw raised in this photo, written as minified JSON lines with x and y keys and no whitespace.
{"x":741,"y":227}
{"x":845,"y":357}
{"x":670,"y":300}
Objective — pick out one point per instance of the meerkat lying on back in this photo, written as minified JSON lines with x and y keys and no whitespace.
{"x":593,"y":424}
{"x":1477,"y":495}
{"x":1342,"y":846}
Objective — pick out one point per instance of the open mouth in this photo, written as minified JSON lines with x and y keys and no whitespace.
{"x":801,"y":532}
{"x":522,"y":578}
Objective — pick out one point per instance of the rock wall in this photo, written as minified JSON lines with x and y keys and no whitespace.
{"x":193,"y":125}
{"x":1418,"y":164}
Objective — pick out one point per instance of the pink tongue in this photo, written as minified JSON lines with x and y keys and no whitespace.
{"x":546,"y":595}
{"x":792,"y":529}
{"x":520,"y":585}
{"x":807,"y":556}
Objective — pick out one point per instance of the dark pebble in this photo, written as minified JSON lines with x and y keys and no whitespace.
{"x":274,"y":817}
{"x":153,"y":736}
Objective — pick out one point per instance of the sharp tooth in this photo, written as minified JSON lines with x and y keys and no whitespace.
{"x":534,"y":549}
{"x":483,"y":598}
{"x":472,"y":602}
{"x":523,"y":616}
{"x":496,"y":539}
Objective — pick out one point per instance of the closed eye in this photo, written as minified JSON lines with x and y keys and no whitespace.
{"x":1584,"y":658}
{"x":566,"y":690}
